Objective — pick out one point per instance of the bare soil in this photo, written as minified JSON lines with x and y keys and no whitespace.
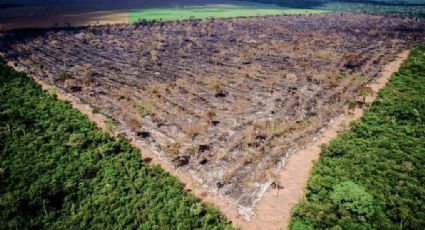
{"x":66,"y":20}
{"x":222,"y":103}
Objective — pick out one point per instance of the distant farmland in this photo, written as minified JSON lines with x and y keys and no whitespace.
{"x":213,"y":11}
{"x":82,"y":13}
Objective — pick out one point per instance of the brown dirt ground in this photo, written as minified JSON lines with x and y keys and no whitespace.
{"x":81,"y":19}
{"x":273,"y":210}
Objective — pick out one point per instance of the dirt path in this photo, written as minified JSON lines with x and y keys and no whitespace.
{"x":273,"y":210}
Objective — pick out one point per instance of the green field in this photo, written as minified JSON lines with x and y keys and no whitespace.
{"x":203,"y":12}
{"x":373,"y":176}
{"x":57,"y":171}
{"x":414,"y":8}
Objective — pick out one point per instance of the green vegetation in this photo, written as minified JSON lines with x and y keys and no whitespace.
{"x":145,"y":108}
{"x":203,"y":12}
{"x":403,"y":10}
{"x":414,"y":8}
{"x":57,"y":171}
{"x":373,"y":176}
{"x":109,"y":125}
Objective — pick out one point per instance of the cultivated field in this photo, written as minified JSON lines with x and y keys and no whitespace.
{"x":225,"y":101}
{"x":212,"y":11}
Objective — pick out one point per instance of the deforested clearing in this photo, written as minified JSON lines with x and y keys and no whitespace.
{"x":225,"y":101}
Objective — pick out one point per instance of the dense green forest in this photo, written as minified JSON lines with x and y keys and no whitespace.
{"x":373,"y":177}
{"x":413,"y":8}
{"x":57,"y":171}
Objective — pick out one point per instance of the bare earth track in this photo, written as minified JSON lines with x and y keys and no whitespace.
{"x":228,"y":106}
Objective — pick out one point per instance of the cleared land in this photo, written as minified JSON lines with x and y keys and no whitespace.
{"x":226,"y":101}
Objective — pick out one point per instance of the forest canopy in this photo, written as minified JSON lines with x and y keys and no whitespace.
{"x":413,"y":8}
{"x":58,"y":171}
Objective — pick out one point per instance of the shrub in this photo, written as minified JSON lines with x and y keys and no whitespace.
{"x":352,"y":197}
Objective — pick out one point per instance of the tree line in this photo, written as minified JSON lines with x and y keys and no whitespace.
{"x":58,"y":171}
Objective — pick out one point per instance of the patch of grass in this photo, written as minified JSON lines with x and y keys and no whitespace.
{"x":372,"y":177}
{"x":145,"y":108}
{"x":110,"y":126}
{"x":142,"y":110}
{"x":52,"y":92}
{"x":172,"y":149}
{"x":276,"y":127}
